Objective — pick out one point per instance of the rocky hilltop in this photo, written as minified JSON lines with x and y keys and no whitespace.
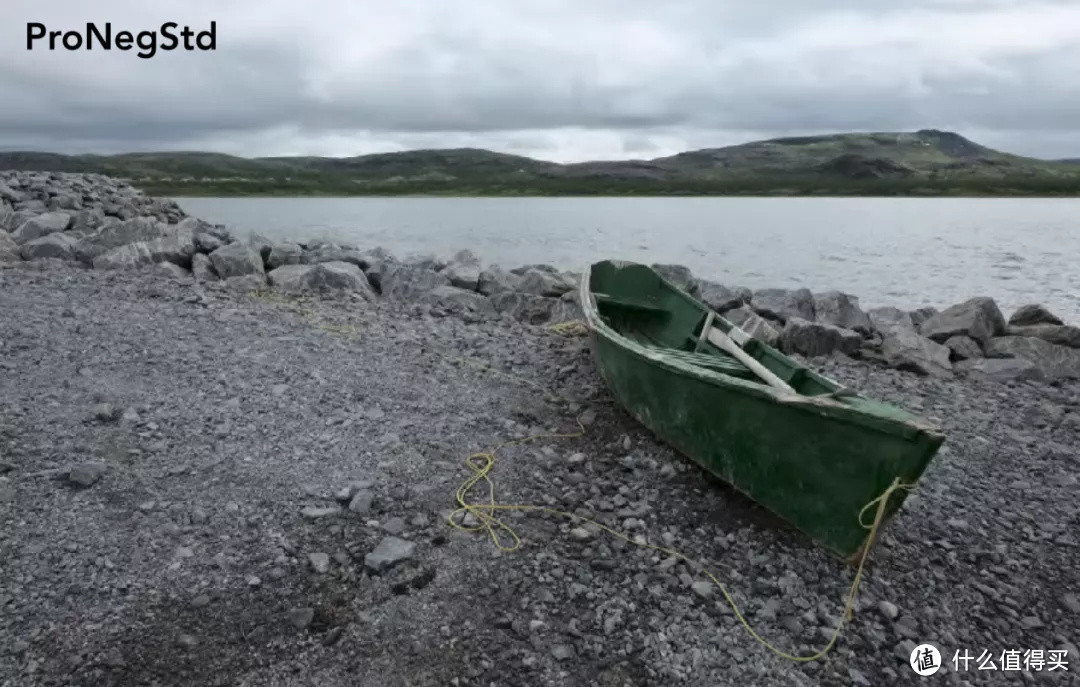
{"x":232,"y":462}
{"x":96,"y":222}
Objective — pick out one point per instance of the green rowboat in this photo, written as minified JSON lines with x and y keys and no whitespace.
{"x":791,"y":439}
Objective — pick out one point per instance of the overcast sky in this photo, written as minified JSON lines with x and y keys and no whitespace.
{"x":554,"y":79}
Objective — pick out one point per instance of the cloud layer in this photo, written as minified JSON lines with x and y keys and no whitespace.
{"x":557,"y":79}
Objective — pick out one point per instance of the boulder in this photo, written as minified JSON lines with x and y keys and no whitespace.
{"x":719,"y":297}
{"x":754,"y":325}
{"x":1059,"y":334}
{"x":87,"y":221}
{"x":463,"y":270}
{"x":9,"y":194}
{"x":389,"y":552}
{"x":1033,"y":314}
{"x":236,"y":260}
{"x":172,"y":271}
{"x":841,"y":310}
{"x":6,"y":213}
{"x":494,"y":280}
{"x":247,"y":283}
{"x":202,"y":269}
{"x":963,"y":348}
{"x":42,"y":225}
{"x":543,"y":283}
{"x":999,"y":369}
{"x":261,"y":244}
{"x":426,"y":261}
{"x":889,"y":320}
{"x":533,"y":309}
{"x":114,"y":234}
{"x":978,"y":318}
{"x":375,"y":271}
{"x":208,"y":243}
{"x":16,"y":219}
{"x":782,"y":304}
{"x":813,"y":339}
{"x":9,"y":250}
{"x":679,"y":275}
{"x":1051,"y":361}
{"x":406,"y":282}
{"x":920,"y":315}
{"x":177,"y":248}
{"x":56,"y":245}
{"x":322,"y":277}
{"x":452,"y":299}
{"x":905,"y":349}
{"x":287,"y":254}
{"x":328,"y":252}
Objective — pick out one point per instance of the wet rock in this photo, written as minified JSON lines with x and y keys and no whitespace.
{"x":978,"y":318}
{"x":841,"y":310}
{"x":390,"y":551}
{"x":813,"y":339}
{"x":1027,"y":315}
{"x":236,"y":260}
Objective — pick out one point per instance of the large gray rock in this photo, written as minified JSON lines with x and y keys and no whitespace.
{"x":1033,"y":314}
{"x":495,"y":280}
{"x":114,"y":234}
{"x":679,"y":275}
{"x":247,"y":283}
{"x":999,"y":369}
{"x":87,"y":221}
{"x":202,"y":269}
{"x":176,"y":248}
{"x":920,"y":315}
{"x":533,"y":309}
{"x":783,"y":304}
{"x":1051,"y":362}
{"x":9,"y":194}
{"x":56,"y":245}
{"x":1059,"y":334}
{"x":287,"y":254}
{"x":889,"y":320}
{"x":463,"y":270}
{"x":905,"y":349}
{"x":327,"y":252}
{"x":452,"y":299}
{"x":543,"y":283}
{"x":208,"y":243}
{"x":814,"y":339}
{"x":236,"y":260}
{"x":261,"y":244}
{"x":978,"y":318}
{"x":755,"y":325}
{"x":963,"y":348}
{"x":9,"y":250}
{"x":389,"y":552}
{"x":42,"y":225}
{"x":322,"y":277}
{"x":406,"y":282}
{"x":719,"y":297}
{"x":841,"y":310}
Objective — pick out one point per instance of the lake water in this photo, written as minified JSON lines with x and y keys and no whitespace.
{"x":888,"y":251}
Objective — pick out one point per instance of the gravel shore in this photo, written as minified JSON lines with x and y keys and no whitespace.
{"x":200,"y":486}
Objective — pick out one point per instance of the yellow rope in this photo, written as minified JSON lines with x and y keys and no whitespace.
{"x":484,"y":513}
{"x":569,"y":328}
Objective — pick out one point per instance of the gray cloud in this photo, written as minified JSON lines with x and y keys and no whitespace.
{"x":559,"y":79}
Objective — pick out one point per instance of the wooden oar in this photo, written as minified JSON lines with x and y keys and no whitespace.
{"x":725,"y":343}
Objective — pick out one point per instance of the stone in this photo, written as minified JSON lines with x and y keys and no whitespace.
{"x":782,"y":304}
{"x":1058,"y":334}
{"x":406,"y":282}
{"x":753,"y":324}
{"x":361,"y":502}
{"x":963,"y":348}
{"x":390,"y":551}
{"x":319,"y":512}
{"x":563,"y":652}
{"x":170,"y":270}
{"x":580,"y":534}
{"x":841,"y":310}
{"x":176,"y":248}
{"x":533,"y":309}
{"x":920,"y":315}
{"x":261,"y":245}
{"x":906,"y":350}
{"x":813,"y":339}
{"x":719,"y":297}
{"x":9,"y":250}
{"x":11,"y":195}
{"x":322,"y":277}
{"x":245,"y":284}
{"x":703,"y":588}
{"x":494,"y":280}
{"x":320,"y":562}
{"x":42,"y":225}
{"x":1027,"y":315}
{"x":202,"y":269}
{"x":541,"y":283}
{"x":236,"y":260}
{"x":888,"y":609}
{"x":106,"y":412}
{"x":115,"y":234}
{"x":86,"y":474}
{"x":1051,"y":362}
{"x":395,"y":525}
{"x":58,"y":245}
{"x":888,"y":320}
{"x":1071,"y":603}
{"x":208,"y":243}
{"x":332,"y":253}
{"x":463,"y":270}
{"x":978,"y":318}
{"x":679,"y":275}
{"x":457,"y":300}
{"x":285,"y":254}
{"x":999,"y":369}
{"x":300,"y":618}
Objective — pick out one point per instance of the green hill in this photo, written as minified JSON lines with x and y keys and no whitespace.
{"x":927,"y":162}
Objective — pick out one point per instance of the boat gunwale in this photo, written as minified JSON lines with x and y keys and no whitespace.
{"x":827,"y":407}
